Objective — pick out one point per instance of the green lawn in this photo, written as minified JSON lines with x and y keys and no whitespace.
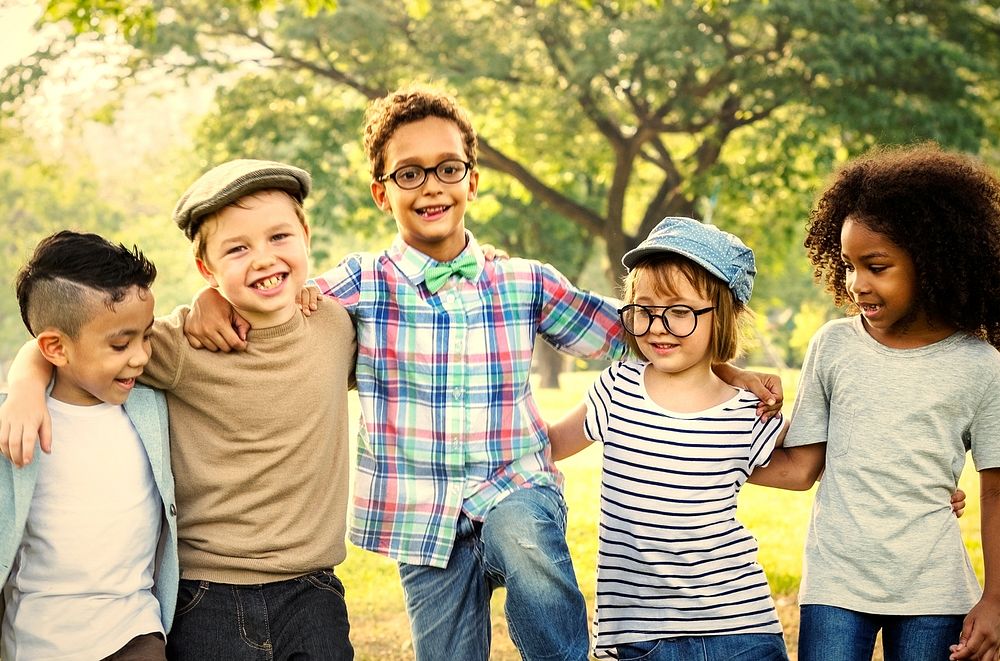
{"x":777,"y":518}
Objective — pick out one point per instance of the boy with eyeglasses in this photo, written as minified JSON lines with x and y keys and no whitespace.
{"x":454,"y":477}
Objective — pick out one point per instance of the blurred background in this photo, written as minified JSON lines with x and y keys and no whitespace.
{"x":596,"y":119}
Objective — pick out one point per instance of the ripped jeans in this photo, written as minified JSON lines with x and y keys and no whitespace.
{"x":520,"y":546}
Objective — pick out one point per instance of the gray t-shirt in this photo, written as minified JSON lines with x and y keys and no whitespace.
{"x":897,"y":423}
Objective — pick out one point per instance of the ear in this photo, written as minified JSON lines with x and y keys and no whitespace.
{"x":206,"y":273}
{"x":381,"y":196}
{"x":52,"y":345}
{"x":305,"y":232}
{"x":473,"y":185}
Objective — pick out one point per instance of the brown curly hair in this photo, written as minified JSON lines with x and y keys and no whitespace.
{"x":384,"y":115}
{"x":942,"y":208}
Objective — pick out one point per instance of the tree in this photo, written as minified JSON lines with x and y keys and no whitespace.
{"x":611,"y":114}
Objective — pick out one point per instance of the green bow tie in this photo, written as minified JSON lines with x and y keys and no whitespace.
{"x":436,"y":276}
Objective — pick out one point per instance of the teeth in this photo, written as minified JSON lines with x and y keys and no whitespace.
{"x":269,"y":283}
{"x":426,"y":211}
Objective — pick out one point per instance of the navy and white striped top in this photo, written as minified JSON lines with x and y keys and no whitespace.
{"x":672,"y":558}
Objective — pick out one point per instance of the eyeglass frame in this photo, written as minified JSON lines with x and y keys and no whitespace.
{"x":427,"y":172}
{"x":662,"y":316}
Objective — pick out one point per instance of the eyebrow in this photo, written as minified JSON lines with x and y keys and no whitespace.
{"x":412,"y":160}
{"x":868,"y":255}
{"x":128,"y":332}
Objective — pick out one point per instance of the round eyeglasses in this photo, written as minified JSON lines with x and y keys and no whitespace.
{"x":410,"y":177}
{"x":678,"y":320}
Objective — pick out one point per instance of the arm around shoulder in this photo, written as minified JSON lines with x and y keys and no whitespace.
{"x":795,"y":469}
{"x":24,"y":417}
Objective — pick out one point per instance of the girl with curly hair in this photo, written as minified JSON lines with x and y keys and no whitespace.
{"x":891,"y":398}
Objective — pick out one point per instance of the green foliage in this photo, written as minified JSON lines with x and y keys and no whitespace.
{"x":608,"y":115}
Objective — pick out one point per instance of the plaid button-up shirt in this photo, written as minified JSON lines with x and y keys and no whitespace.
{"x":449,"y":421}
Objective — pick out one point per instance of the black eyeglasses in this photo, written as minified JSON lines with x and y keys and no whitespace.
{"x":409,"y":177}
{"x":679,"y":320}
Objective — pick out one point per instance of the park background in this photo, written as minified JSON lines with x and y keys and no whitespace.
{"x":596,"y":118}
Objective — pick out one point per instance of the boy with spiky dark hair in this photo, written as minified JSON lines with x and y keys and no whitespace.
{"x":88,"y":548}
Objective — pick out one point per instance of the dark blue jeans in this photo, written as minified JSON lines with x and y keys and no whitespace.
{"x":828,"y":633}
{"x":304,"y":618}
{"x":736,"y":647}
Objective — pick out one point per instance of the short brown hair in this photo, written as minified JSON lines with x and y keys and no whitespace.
{"x":200,"y":238}
{"x":730,"y":318}
{"x":386,"y":114}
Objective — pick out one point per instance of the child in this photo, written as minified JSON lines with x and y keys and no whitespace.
{"x":454,"y":476}
{"x":260,"y":446}
{"x":678,"y":578}
{"x":896,"y":396}
{"x":88,"y":552}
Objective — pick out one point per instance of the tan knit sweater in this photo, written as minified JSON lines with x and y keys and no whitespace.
{"x":259,"y":446}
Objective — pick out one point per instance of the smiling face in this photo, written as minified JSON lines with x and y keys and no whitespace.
{"x":666,"y":352}
{"x":882,"y":282}
{"x":102,"y":362}
{"x":430,"y":218}
{"x":256,"y":255}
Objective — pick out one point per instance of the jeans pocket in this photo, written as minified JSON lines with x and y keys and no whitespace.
{"x":325,"y":580}
{"x":189,"y":595}
{"x":639,"y":651}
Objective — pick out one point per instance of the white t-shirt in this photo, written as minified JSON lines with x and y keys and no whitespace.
{"x":81,"y":583}
{"x":898,"y":424}
{"x":672,"y":558}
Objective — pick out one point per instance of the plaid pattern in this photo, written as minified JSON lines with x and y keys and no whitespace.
{"x":449,"y":421}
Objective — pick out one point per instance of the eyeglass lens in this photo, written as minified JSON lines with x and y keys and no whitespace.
{"x":413,"y":176}
{"x":679,"y":320}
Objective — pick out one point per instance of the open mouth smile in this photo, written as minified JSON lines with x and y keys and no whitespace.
{"x":269,"y":282}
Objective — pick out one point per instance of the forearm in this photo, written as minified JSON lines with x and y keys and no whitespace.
{"x":567,"y":436}
{"x":989,"y":498}
{"x":29,"y":369}
{"x":796,"y":469}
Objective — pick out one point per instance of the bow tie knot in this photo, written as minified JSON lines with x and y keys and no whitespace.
{"x":435,"y":276}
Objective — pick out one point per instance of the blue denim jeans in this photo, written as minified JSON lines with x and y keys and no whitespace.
{"x":303,"y":618}
{"x":520,"y":546}
{"x":828,"y":633}
{"x":736,"y":647}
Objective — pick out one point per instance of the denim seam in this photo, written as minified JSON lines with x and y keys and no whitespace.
{"x":241,"y":620}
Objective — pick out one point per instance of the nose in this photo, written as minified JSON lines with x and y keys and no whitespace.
{"x":658,"y":319}
{"x":140,"y":356}
{"x":856,"y":284}
{"x":263,"y":259}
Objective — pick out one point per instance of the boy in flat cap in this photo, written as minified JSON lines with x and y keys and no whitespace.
{"x":260,"y":447}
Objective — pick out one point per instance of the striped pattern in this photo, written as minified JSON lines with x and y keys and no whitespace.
{"x":449,"y":421}
{"x":672,"y":558}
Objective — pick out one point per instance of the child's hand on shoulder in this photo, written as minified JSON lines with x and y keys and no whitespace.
{"x":492,"y":253}
{"x":23,"y":419}
{"x":309,"y":299}
{"x":212,"y":324}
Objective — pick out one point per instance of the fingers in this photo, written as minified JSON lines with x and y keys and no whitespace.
{"x":958,"y":503}
{"x":45,"y":434}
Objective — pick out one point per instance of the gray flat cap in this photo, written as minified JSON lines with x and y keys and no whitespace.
{"x":226,"y":183}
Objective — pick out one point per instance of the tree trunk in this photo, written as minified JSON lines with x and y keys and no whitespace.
{"x":549,"y":364}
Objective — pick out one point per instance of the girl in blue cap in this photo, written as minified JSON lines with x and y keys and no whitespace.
{"x":678,"y":578}
{"x":892,"y":398}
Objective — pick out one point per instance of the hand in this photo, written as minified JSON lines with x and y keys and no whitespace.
{"x":213,"y":324}
{"x":23,"y":419}
{"x":309,"y":299}
{"x":767,"y":387}
{"x":980,"y":632}
{"x":491,"y":252}
{"x":958,"y":503}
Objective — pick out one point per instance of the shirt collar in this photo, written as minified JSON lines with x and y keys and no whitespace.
{"x":414,"y":263}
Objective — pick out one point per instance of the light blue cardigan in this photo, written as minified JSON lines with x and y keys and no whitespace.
{"x":147,"y":409}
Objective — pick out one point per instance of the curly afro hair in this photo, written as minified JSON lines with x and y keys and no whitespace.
{"x":384,"y":115}
{"x":942,"y":208}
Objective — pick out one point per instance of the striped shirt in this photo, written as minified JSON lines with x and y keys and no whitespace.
{"x":449,"y":421}
{"x":672,"y":558}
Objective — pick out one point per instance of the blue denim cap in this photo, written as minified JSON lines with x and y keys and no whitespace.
{"x":720,"y":253}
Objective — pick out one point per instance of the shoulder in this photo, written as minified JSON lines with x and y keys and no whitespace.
{"x":330,"y":316}
{"x":145,"y":400}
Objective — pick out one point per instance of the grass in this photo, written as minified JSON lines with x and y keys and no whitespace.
{"x":379,"y":626}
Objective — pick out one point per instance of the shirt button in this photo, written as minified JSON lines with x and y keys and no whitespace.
{"x":457,"y":393}
{"x":173,"y":510}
